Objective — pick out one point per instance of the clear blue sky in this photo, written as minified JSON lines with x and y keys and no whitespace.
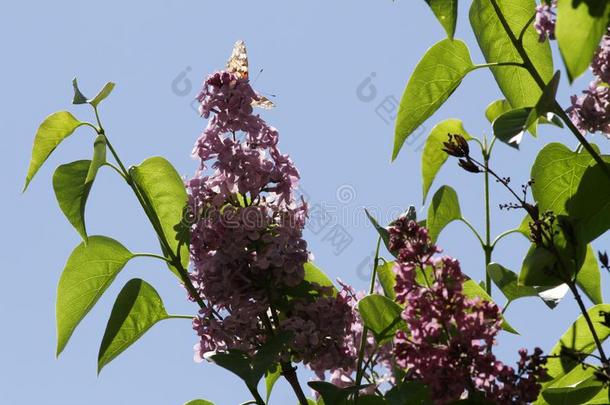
{"x":314,"y":54}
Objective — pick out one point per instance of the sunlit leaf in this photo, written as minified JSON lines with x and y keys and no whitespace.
{"x":433,"y":156}
{"x":437,"y":75}
{"x":444,"y":209}
{"x":89,"y":271}
{"x":53,"y":130}
{"x":137,"y":308}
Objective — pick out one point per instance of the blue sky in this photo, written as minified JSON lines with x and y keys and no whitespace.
{"x":315,"y":57}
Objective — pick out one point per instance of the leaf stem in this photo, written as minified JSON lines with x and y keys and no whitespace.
{"x":365,"y":330}
{"x":488,"y":247}
{"x":165,"y":259}
{"x":504,"y":234}
{"x":474,"y":231}
{"x":154,"y":220}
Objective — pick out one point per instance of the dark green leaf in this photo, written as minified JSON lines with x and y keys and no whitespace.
{"x":78,"y":98}
{"x":446,"y":12}
{"x":381,"y":315}
{"x":383,"y":232}
{"x":89,"y":271}
{"x":445,"y":208}
{"x":331,"y":394}
{"x":408,"y":393}
{"x":516,"y":83}
{"x":437,"y":75}
{"x":580,"y":27}
{"x":163,"y":188}
{"x":510,"y":126}
{"x":137,"y":308}
{"x":433,"y":156}
{"x":53,"y":130}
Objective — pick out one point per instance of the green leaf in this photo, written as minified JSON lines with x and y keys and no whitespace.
{"x":72,"y":183}
{"x":445,"y":208}
{"x":433,"y":157}
{"x":602,"y":398}
{"x":383,"y":232}
{"x":580,"y":27}
{"x":251,"y":369}
{"x":471,"y":289}
{"x":314,"y":274}
{"x":578,"y":339}
{"x":271,"y":378}
{"x":331,"y":394}
{"x":387,"y":279}
{"x":137,"y":308}
{"x":436,"y":76}
{"x":89,"y":271}
{"x":409,"y":393}
{"x":105,"y":92}
{"x":446,"y":12}
{"x":510,"y":126}
{"x":497,"y":108}
{"x":163,"y":188}
{"x":576,"y":387}
{"x":381,"y":315}
{"x":589,"y":278}
{"x":590,"y":204}
{"x":199,"y":402}
{"x":508,"y":283}
{"x":516,"y":83}
{"x":78,"y":98}
{"x":53,"y":130}
{"x":71,"y":192}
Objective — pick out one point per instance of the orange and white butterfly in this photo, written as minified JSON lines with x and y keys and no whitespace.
{"x":238,"y":64}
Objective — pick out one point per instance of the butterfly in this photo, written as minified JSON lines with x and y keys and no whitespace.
{"x":238,"y":64}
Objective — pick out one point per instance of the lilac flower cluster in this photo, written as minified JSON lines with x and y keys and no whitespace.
{"x":246,"y":246}
{"x":590,"y":111}
{"x":341,"y":375}
{"x":546,"y":17}
{"x":450,"y":336}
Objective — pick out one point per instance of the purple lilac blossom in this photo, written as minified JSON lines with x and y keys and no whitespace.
{"x":546,"y":17}
{"x":601,"y":62}
{"x":246,"y":238}
{"x":590,"y":112}
{"x":450,"y":336}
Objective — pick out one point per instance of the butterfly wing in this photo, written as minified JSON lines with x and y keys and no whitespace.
{"x":263,"y":102}
{"x":238,"y":62}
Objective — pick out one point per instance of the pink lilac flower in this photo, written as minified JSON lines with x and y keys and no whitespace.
{"x":246,"y":245}
{"x":449,"y":336}
{"x":601,"y":62}
{"x":546,"y":17}
{"x":590,"y":112}
{"x":341,"y":374}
